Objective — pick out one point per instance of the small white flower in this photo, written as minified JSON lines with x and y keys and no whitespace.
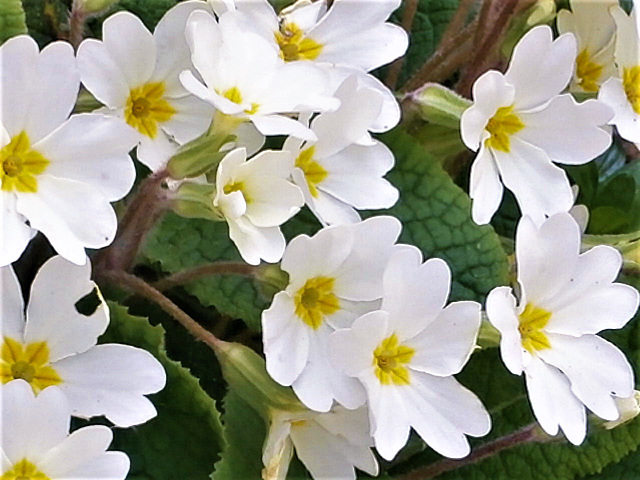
{"x":514,"y":124}
{"x":565,"y":298}
{"x":595,"y":33}
{"x":136,"y":75}
{"x":245,"y":78}
{"x":334,"y":277}
{"x":36,"y":443}
{"x":57,"y":173}
{"x":54,"y":345}
{"x":350,"y":38}
{"x":255,"y":198}
{"x":622,"y":93}
{"x":330,"y":445}
{"x":342,"y":171}
{"x":406,"y":354}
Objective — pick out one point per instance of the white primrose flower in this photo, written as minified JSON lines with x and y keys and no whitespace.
{"x":330,"y":445}
{"x":514,"y":124}
{"x":350,"y":38}
{"x":334,"y":278}
{"x":54,"y":345}
{"x":136,"y":75}
{"x":342,"y":171}
{"x":36,"y":444}
{"x":255,"y":197}
{"x":595,"y":33}
{"x":549,"y":331}
{"x":405,"y":356}
{"x":56,"y":173}
{"x":245,"y":78}
{"x":622,"y":93}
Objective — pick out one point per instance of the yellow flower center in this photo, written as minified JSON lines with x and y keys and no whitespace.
{"x":234,"y":95}
{"x":20,"y":165}
{"x":146,"y":107}
{"x":390,"y":359}
{"x":24,"y":470}
{"x":588,"y":72}
{"x":501,"y":126}
{"x":27,"y":362}
{"x":532,"y":320}
{"x":294,"y":45}
{"x":314,"y":173}
{"x":631,"y":83}
{"x":315,"y":300}
{"x":237,"y":187}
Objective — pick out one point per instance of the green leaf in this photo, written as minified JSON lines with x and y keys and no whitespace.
{"x":436,"y":217}
{"x":185,"y":439}
{"x":429,"y":23}
{"x":12,"y":19}
{"x":46,"y":19}
{"x":627,"y":469}
{"x":179,"y":243}
{"x":245,"y":431}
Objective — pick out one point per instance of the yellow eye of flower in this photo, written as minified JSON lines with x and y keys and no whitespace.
{"x":588,"y":72}
{"x":146,"y":108}
{"x":237,"y":187}
{"x":631,"y":83}
{"x":235,"y":95}
{"x":532,"y":320}
{"x":27,"y":362}
{"x":314,"y":173}
{"x":24,"y":470}
{"x":20,"y":165}
{"x":389,"y":360}
{"x":315,"y":300}
{"x":501,"y":126}
{"x":294,"y":45}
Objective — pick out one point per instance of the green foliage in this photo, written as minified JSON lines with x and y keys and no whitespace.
{"x":47,"y":19}
{"x":430,"y":22}
{"x":185,"y":439}
{"x":245,"y":431}
{"x":436,"y":217}
{"x":12,"y":19}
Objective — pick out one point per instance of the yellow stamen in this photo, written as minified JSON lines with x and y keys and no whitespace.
{"x":389,"y":360}
{"x":501,"y":126}
{"x":314,"y":173}
{"x":20,"y":165}
{"x":27,"y":362}
{"x":315,"y":300}
{"x":234,"y":95}
{"x":24,"y":470}
{"x":237,"y":187}
{"x":588,"y":72}
{"x":294,"y":45}
{"x":146,"y":108}
{"x":532,"y":320}
{"x":631,"y":83}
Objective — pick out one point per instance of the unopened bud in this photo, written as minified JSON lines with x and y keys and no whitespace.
{"x":440,"y":106}
{"x":629,"y":409}
{"x":195,"y":200}
{"x":272,"y":279}
{"x":90,"y":7}
{"x":198,"y":157}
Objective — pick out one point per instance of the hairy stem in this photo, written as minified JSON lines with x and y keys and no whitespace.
{"x":409,"y":13}
{"x":529,"y":434}
{"x":77,"y":22}
{"x":142,"y":288}
{"x":218,"y":268}
{"x":493,"y":20}
{"x":146,"y":208}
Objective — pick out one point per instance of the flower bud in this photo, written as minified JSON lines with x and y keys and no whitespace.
{"x":195,"y":200}
{"x":440,"y":106}
{"x":272,"y":279}
{"x":94,"y":6}
{"x":629,"y":409}
{"x":198,"y":157}
{"x":246,"y":373}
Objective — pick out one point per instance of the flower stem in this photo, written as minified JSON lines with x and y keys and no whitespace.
{"x":146,"y":208}
{"x":217,"y":268}
{"x":529,"y":434}
{"x":77,"y":21}
{"x":409,"y":13}
{"x":142,"y":288}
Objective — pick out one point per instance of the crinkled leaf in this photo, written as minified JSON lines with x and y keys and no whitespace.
{"x":12,"y":19}
{"x":185,"y":439}
{"x":436,"y":217}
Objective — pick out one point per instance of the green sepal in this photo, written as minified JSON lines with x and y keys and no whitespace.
{"x":198,"y":156}
{"x":195,"y":200}
{"x":440,"y":106}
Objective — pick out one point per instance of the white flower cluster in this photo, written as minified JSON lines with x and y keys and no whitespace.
{"x":363,"y":332}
